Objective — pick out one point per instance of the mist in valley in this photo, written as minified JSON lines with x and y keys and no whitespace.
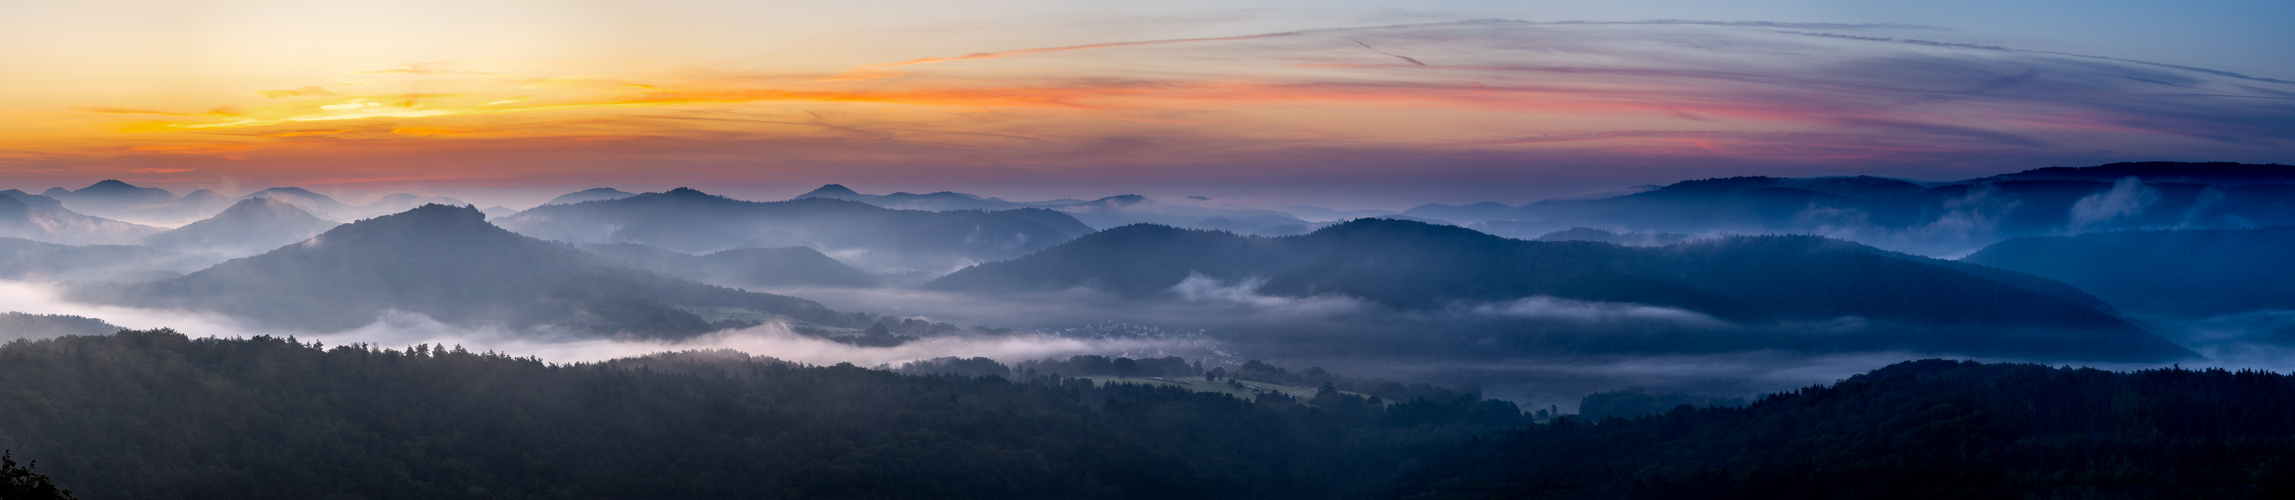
{"x":801,"y":280}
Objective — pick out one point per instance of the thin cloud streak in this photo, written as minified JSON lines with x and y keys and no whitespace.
{"x":1645,"y":93}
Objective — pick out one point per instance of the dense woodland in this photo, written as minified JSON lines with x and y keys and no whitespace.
{"x":689,"y":221}
{"x":154,"y":414}
{"x":157,"y":414}
{"x":1923,"y":429}
{"x":1411,"y":268}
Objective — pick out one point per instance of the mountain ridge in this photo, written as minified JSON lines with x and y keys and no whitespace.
{"x":450,"y":264}
{"x":1424,"y":267}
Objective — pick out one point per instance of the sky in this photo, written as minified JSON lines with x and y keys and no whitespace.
{"x":1348,"y":104}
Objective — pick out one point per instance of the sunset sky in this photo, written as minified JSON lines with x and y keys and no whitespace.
{"x":1344,"y":103}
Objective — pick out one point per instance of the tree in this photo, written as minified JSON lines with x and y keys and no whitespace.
{"x":21,"y":483}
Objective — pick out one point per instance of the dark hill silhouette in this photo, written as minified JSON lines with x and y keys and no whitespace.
{"x":1689,"y":207}
{"x":2219,"y":173}
{"x":395,"y":203}
{"x":448,"y":263}
{"x":16,"y":325}
{"x":740,"y":267}
{"x":27,"y":260}
{"x":315,"y":203}
{"x":592,"y":194}
{"x":114,"y":192}
{"x":1629,"y":239}
{"x":1918,"y":429}
{"x":836,"y":191}
{"x":690,"y":221}
{"x":251,"y":226}
{"x":1192,"y":212}
{"x":207,"y":197}
{"x":937,"y":201}
{"x":157,"y":415}
{"x":1416,"y":266}
{"x":2177,"y":272}
{"x":1123,"y":210}
{"x":34,"y":200}
{"x":1861,"y":186}
{"x":119,"y":200}
{"x":1950,"y":219}
{"x":56,"y":224}
{"x":1054,"y":219}
{"x":327,"y":207}
{"x":1463,"y":214}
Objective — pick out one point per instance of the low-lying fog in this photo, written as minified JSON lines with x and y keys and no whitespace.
{"x":1223,"y":325}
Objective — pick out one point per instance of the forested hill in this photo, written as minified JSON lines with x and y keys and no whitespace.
{"x":2199,"y":272}
{"x":1414,"y":265}
{"x":156,"y":415}
{"x":251,"y":226}
{"x":740,"y":267}
{"x":1915,"y":430}
{"x":448,"y":263}
{"x":2222,"y":173}
{"x":690,"y":221}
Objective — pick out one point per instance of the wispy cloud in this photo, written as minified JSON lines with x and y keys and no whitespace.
{"x":309,"y":91}
{"x":1483,"y":92}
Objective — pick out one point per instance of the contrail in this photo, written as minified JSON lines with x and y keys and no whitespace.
{"x":1375,"y":49}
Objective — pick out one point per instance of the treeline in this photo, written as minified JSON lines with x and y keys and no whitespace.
{"x":1316,"y":376}
{"x":1174,"y":366}
{"x":1169,"y":366}
{"x":20,"y":482}
{"x":1923,"y":429}
{"x":1635,"y":402}
{"x":154,"y":414}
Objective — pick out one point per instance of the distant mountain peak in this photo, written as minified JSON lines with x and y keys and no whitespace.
{"x":266,"y":206}
{"x":432,"y":214}
{"x":591,"y":194}
{"x":248,"y":227}
{"x":1397,"y":227}
{"x":446,"y":262}
{"x":2162,"y":171}
{"x":252,"y":204}
{"x":830,"y":191}
{"x":435,"y":210}
{"x":289,"y":190}
{"x":688,"y":192}
{"x":1123,"y":199}
{"x":110,"y":184}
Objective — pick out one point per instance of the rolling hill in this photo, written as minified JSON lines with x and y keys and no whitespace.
{"x":740,"y":267}
{"x":2188,"y":272}
{"x":1413,"y":266}
{"x":27,"y":260}
{"x":40,"y":221}
{"x":866,"y":236}
{"x":447,"y":263}
{"x":249,"y":227}
{"x":592,"y":194}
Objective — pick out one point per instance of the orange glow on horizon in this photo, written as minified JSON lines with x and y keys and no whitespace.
{"x":1438,"y":90}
